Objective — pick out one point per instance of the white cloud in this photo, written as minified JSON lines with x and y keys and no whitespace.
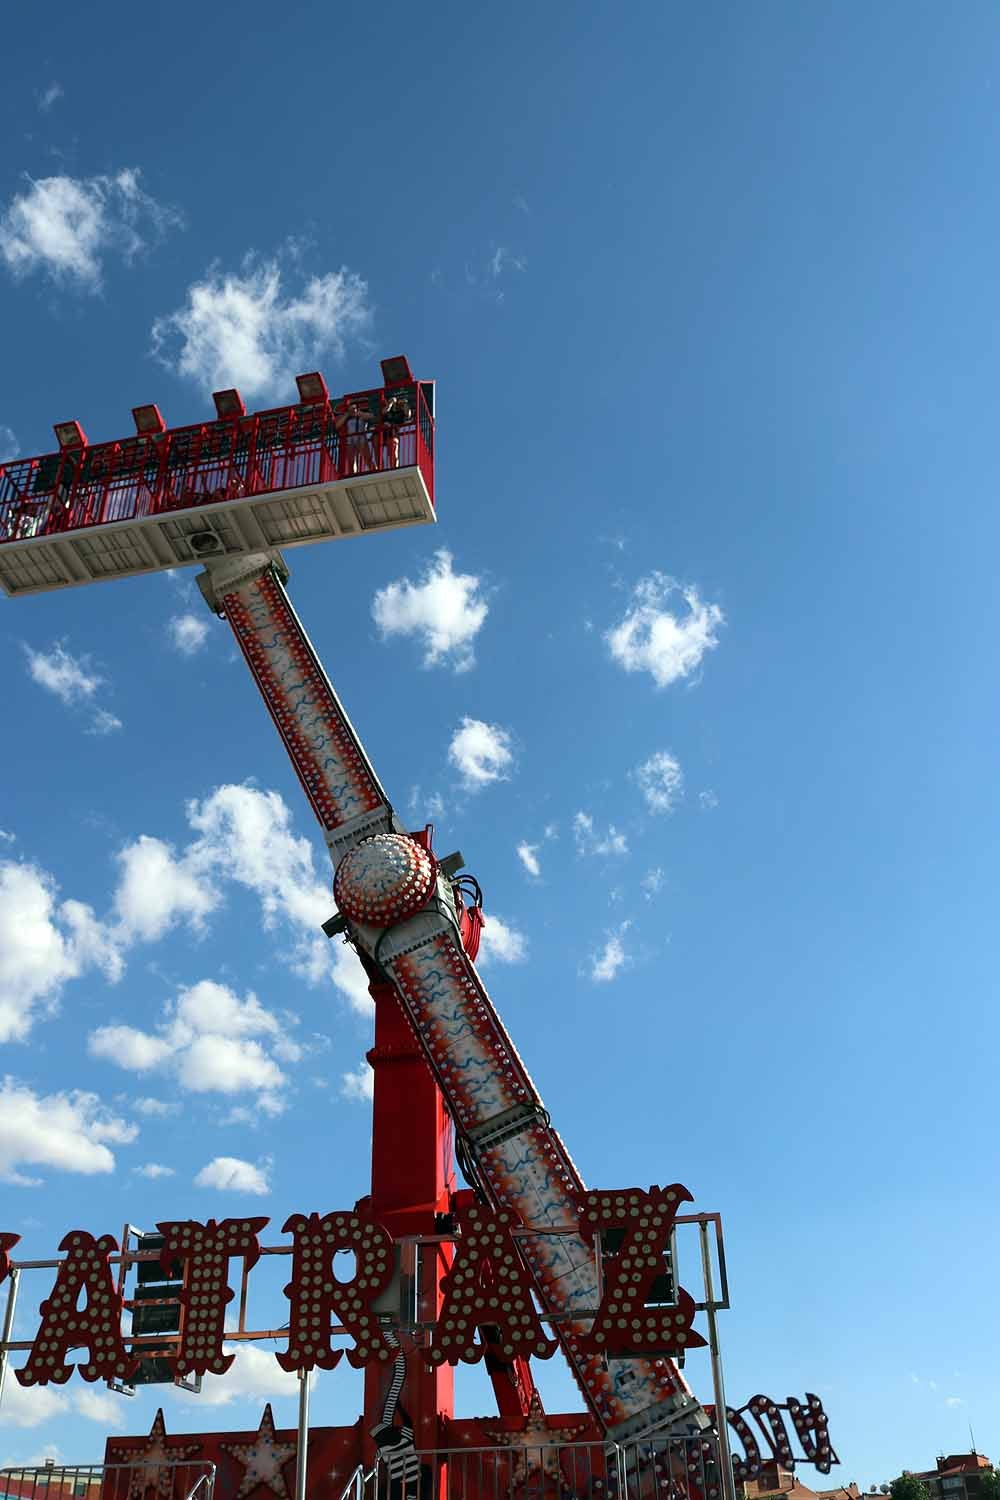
{"x":484,"y":273}
{"x":210,"y":1042}
{"x":255,"y":1375}
{"x":430,"y":807}
{"x":157,"y":1108}
{"x":444,"y":610}
{"x":188,"y":633}
{"x":212,"y":1008}
{"x":589,"y":841}
{"x":245,"y":329}
{"x":348,"y":975}
{"x":661,"y":781}
{"x":651,"y":638}
{"x":708,"y":800}
{"x":230,"y":1174}
{"x":481,"y":753}
{"x":128,"y":1048}
{"x":93,"y":943}
{"x":528,"y":855}
{"x":48,"y":96}
{"x":69,"y":677}
{"x":502,"y":258}
{"x":153,"y":1170}
{"x":232,"y":1067}
{"x":103,"y":722}
{"x":73,"y":681}
{"x":9,"y":446}
{"x":360,"y":1084}
{"x":66,"y":226}
{"x":501,"y":943}
{"x":608,"y":963}
{"x":32,"y":1405}
{"x":50,"y":1454}
{"x":100,"y":1406}
{"x":652,"y":882}
{"x":42,"y":945}
{"x":156,"y":889}
{"x":953,"y":1401}
{"x":69,"y":1132}
{"x":244,"y":836}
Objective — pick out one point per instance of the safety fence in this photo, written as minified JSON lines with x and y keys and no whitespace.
{"x":117,"y":1481}
{"x":654,"y":1469}
{"x":230,"y":459}
{"x":667,"y":1468}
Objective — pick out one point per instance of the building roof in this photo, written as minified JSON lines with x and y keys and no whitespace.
{"x":774,"y":1482}
{"x":35,"y":1484}
{"x":962,"y":1463}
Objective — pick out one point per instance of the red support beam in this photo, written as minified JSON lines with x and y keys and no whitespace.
{"x":412,"y":1181}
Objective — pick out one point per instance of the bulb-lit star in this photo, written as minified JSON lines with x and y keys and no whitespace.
{"x":153,"y":1464}
{"x":262,"y":1460}
{"x":535,"y":1448}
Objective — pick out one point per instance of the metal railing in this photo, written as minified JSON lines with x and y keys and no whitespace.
{"x":667,"y":1468}
{"x":230,"y":459}
{"x":652,"y":1469}
{"x":116,"y":1481}
{"x":671,"y":1469}
{"x":359,"y":1486}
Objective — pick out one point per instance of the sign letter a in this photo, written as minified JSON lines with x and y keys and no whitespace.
{"x":97,"y":1326}
{"x":487,"y":1287}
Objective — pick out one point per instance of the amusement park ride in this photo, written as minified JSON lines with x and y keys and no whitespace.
{"x":520,"y":1263}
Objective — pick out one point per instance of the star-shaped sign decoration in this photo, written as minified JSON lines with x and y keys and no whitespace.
{"x":153,"y":1463}
{"x":262,"y":1460}
{"x":534,"y":1448}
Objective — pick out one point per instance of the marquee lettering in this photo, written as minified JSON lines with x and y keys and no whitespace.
{"x":811,"y":1425}
{"x":97,"y":1326}
{"x":751,"y":1462}
{"x":204,"y":1251}
{"x":488,"y":1305}
{"x":813,"y":1429}
{"x":487,"y":1286}
{"x":769,"y":1420}
{"x":631,"y":1320}
{"x":317,"y":1297}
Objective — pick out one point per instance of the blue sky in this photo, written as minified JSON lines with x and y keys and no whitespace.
{"x":711,"y":297}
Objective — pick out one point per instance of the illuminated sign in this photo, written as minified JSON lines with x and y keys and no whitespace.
{"x":488,"y":1303}
{"x":811,"y":1428}
{"x":486,"y":1286}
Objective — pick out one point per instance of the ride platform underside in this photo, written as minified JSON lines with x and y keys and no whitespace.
{"x":316,"y":471}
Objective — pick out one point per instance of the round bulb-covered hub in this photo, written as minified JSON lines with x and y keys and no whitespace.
{"x":384,"y":880}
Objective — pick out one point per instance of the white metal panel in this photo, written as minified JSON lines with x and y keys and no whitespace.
{"x":286,"y":518}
